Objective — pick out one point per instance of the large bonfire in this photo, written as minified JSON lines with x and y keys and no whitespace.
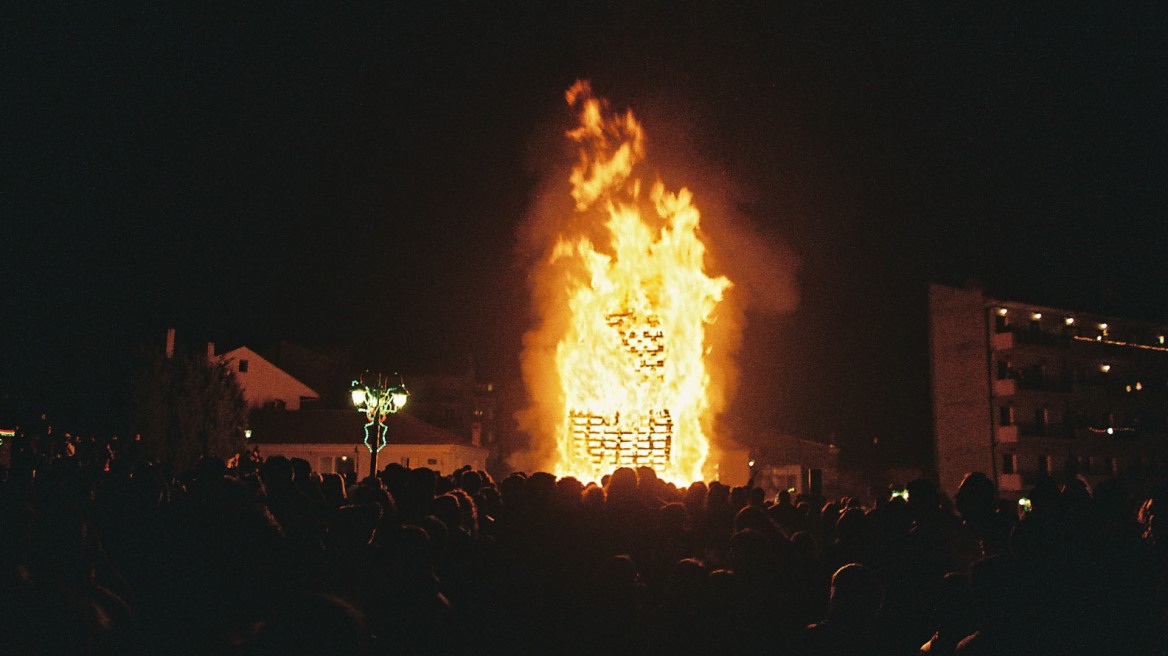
{"x":631,"y":361}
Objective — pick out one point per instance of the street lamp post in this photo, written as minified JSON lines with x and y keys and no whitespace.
{"x":377,"y":402}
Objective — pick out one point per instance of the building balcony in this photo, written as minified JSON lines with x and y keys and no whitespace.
{"x":1005,"y":387}
{"x":1002,"y":341}
{"x":1039,"y":337}
{"x":1014,"y":337}
{"x":1010,"y":482}
{"x":1006,"y":434}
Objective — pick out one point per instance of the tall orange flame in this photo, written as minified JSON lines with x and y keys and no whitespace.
{"x":631,"y":362}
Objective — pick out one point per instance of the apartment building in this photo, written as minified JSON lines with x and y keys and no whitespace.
{"x":1022,"y":391}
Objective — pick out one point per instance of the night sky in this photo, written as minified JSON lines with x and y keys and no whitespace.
{"x":356,"y":175}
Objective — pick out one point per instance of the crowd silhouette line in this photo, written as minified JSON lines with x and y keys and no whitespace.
{"x":110,"y":553}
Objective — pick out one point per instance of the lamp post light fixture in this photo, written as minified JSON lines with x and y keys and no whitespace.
{"x":377,"y":401}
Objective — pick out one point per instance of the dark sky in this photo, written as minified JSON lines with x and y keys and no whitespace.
{"x":355,"y":174}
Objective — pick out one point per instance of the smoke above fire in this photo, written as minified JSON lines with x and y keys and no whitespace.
{"x":601,"y":181}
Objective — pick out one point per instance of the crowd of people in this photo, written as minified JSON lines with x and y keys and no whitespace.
{"x":109,"y":555}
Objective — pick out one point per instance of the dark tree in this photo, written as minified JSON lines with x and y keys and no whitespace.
{"x":186,"y":407}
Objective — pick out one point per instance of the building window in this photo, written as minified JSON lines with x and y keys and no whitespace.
{"x":1090,"y":465}
{"x":1046,"y":465}
{"x":243,"y":366}
{"x":1041,"y":419}
{"x":1113,"y":465}
{"x":1009,"y":463}
{"x":1006,"y":415}
{"x":431,"y":461}
{"x":1003,"y":369}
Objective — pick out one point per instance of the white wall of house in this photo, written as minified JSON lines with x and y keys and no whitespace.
{"x":324,"y":458}
{"x":264,"y":383}
{"x":330,"y":458}
{"x":442,"y":458}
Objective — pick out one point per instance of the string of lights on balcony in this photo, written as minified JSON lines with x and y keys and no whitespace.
{"x":1114,"y":342}
{"x":1101,"y":338}
{"x":1111,"y":431}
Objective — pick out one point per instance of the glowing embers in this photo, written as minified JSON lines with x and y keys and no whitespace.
{"x":607,"y":442}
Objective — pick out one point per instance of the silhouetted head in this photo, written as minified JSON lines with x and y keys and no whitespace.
{"x":852,"y":527}
{"x":446,"y":509}
{"x":300,"y":468}
{"x":739,"y":497}
{"x":438,"y":532}
{"x":276,"y":473}
{"x":672,"y":518}
{"x":593,"y":499}
{"x":1076,"y":494}
{"x":954,"y":608}
{"x":541,"y":487}
{"x":353,"y":526}
{"x":422,"y":482}
{"x":332,"y":486}
{"x":569,"y":492}
{"x":647,"y":481}
{"x":923,"y":497}
{"x":750,"y":555}
{"x":718,"y":495}
{"x":695,"y":496}
{"x":724,"y":588}
{"x":617,"y":580}
{"x":976,"y":496}
{"x":855,"y":594}
{"x":470,"y":481}
{"x":511,"y":488}
{"x":757,"y":497}
{"x":688,"y":580}
{"x":784,"y":497}
{"x":1045,"y":496}
{"x":622,"y":487}
{"x":754,"y":518}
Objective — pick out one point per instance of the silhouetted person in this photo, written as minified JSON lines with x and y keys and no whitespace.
{"x":613,"y":618}
{"x":985,"y":532}
{"x":953,"y":616}
{"x":851,"y":625}
{"x":312,"y":624}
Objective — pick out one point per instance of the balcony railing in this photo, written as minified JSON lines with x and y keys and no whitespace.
{"x":1002,"y":341}
{"x":1010,"y":482}
{"x":1024,"y":380}
{"x":1007,"y":434}
{"x":1005,"y":387}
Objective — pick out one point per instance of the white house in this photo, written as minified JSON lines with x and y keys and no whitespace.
{"x":334,"y":441}
{"x":264,"y":384}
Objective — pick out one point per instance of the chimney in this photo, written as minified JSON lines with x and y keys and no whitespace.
{"x":169,"y":343}
{"x":210,"y":351}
